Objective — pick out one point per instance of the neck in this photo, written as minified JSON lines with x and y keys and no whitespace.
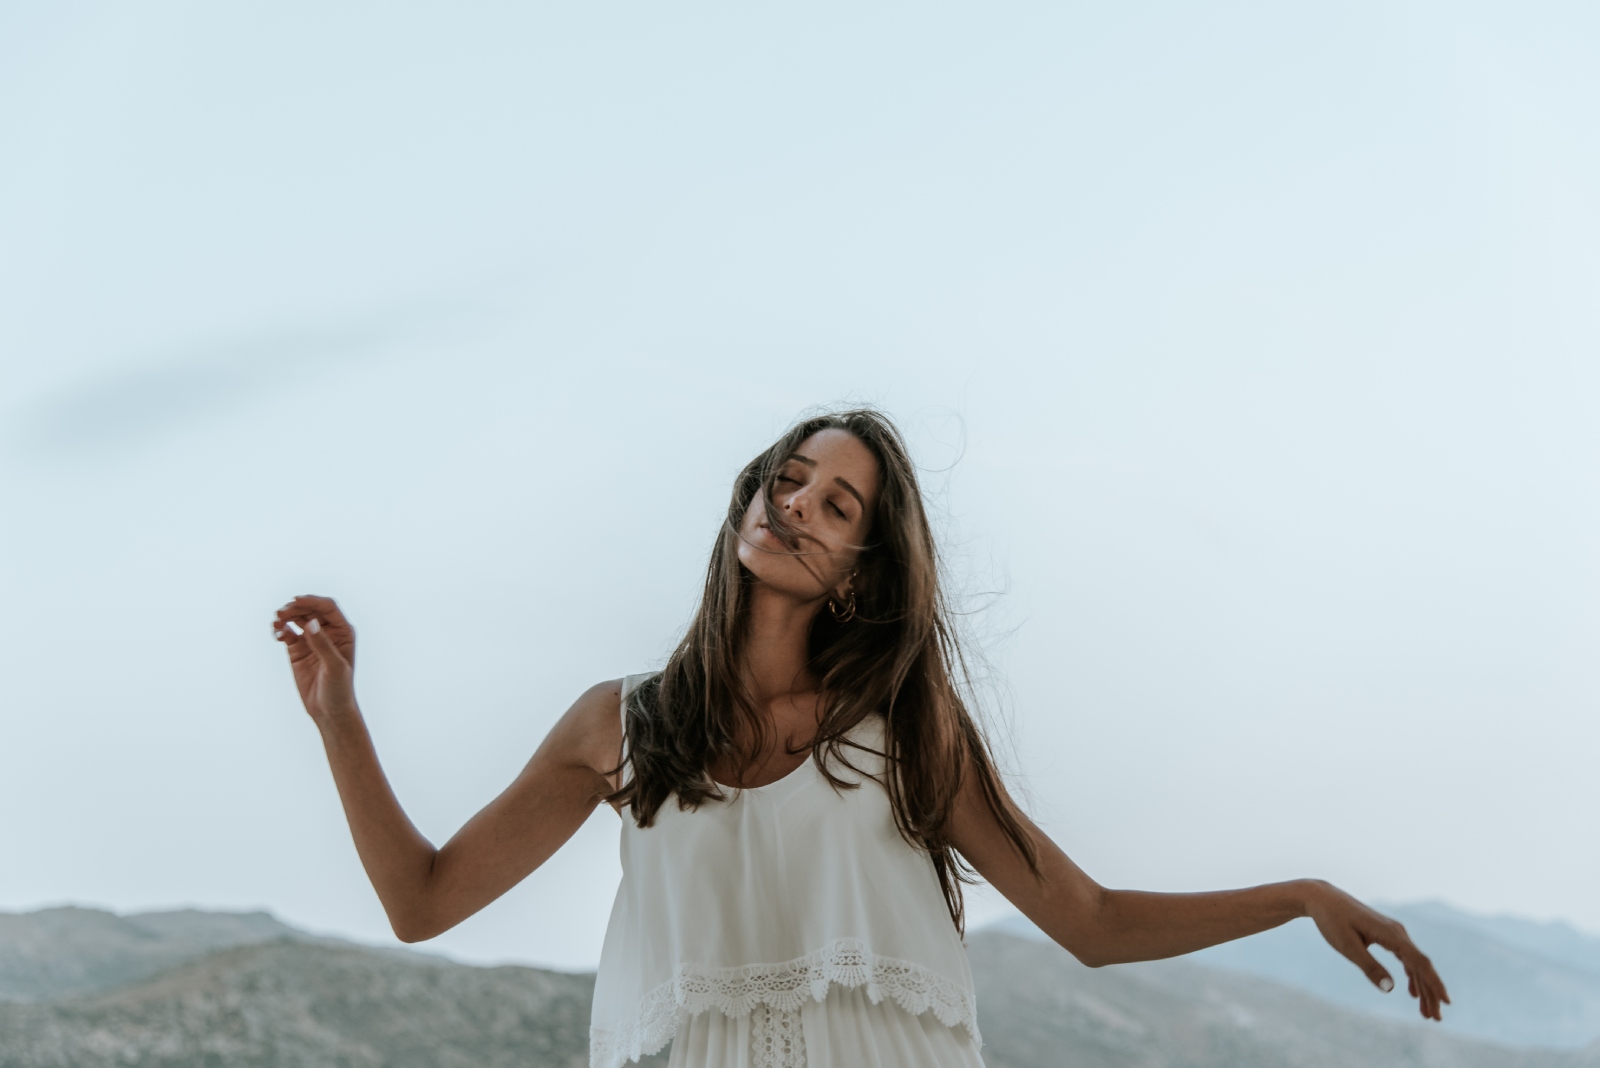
{"x":776,"y":639}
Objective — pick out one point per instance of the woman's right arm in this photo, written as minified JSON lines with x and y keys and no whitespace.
{"x":426,"y":891}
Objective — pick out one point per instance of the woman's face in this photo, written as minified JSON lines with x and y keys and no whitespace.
{"x":827,"y":490}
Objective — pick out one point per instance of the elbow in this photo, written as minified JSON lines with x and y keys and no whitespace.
{"x":1087,"y":951}
{"x":414,"y":915}
{"x":412,"y":933}
{"x":415,"y":928}
{"x":1092,"y":947}
{"x":1090,"y":959}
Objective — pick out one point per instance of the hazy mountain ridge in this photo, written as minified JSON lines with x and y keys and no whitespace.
{"x":246,"y":990}
{"x":1511,"y":981}
{"x":62,"y":951}
{"x":1554,"y":940}
{"x":1177,"y":1014}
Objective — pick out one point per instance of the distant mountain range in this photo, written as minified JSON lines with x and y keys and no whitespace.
{"x":1039,"y":1007}
{"x":53,"y":953}
{"x":1511,"y":981}
{"x":81,"y":988}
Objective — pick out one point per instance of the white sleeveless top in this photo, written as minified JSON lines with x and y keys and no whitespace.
{"x":769,"y":898}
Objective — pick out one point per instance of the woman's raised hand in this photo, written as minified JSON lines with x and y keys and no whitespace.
{"x":1350,"y":927}
{"x":322,"y":653}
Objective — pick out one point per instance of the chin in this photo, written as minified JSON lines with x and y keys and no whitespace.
{"x":780,"y":574}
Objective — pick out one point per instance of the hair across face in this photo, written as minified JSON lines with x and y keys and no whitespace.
{"x":803,"y":533}
{"x":832,"y":509}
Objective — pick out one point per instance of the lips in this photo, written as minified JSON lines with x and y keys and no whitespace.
{"x":766,"y":530}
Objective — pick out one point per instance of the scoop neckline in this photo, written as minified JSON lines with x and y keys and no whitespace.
{"x":796,"y":770}
{"x":785,"y":777}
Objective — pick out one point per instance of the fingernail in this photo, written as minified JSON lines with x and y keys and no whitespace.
{"x":277,"y":634}
{"x":1385,"y":984}
{"x":315,"y":627}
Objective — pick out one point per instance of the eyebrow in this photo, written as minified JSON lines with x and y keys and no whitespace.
{"x":809,"y":462}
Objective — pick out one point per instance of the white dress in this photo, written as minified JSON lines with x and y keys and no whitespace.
{"x":789,"y":926}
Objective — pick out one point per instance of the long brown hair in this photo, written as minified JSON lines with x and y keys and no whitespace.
{"x":899,"y":656}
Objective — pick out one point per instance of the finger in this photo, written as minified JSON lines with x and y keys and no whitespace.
{"x":324,"y":608}
{"x":332,"y":622}
{"x":296,"y":624}
{"x":287,"y":631}
{"x":1436,"y":993}
{"x":1429,"y":978}
{"x":1418,"y":967}
{"x":1376,"y":973}
{"x":1431,"y":995}
{"x":300,"y":615}
{"x":1428,"y":1004}
{"x":322,"y":645}
{"x":306,"y":606}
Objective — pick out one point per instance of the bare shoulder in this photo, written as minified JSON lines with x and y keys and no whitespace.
{"x":590,"y":732}
{"x":602,"y":697}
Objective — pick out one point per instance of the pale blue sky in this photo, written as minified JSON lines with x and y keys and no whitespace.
{"x":1262,"y":342}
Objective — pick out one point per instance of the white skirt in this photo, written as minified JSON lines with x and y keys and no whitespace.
{"x":846,"y":1030}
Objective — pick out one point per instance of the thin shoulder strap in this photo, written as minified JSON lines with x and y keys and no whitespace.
{"x":622,"y":713}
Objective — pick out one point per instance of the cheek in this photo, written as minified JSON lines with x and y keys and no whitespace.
{"x":843,"y":567}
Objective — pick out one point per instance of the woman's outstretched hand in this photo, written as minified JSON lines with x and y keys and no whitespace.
{"x":1350,"y":927}
{"x":322,"y":654}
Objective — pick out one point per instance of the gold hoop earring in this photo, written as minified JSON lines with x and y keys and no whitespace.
{"x":847,"y":614}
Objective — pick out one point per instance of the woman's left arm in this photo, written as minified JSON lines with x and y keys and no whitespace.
{"x":1101,"y":926}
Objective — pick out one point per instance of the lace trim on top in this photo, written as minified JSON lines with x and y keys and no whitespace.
{"x":784,"y":987}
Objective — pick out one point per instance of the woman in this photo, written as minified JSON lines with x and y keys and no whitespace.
{"x":802,"y":791}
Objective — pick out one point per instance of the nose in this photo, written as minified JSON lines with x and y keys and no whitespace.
{"x":796,"y":505}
